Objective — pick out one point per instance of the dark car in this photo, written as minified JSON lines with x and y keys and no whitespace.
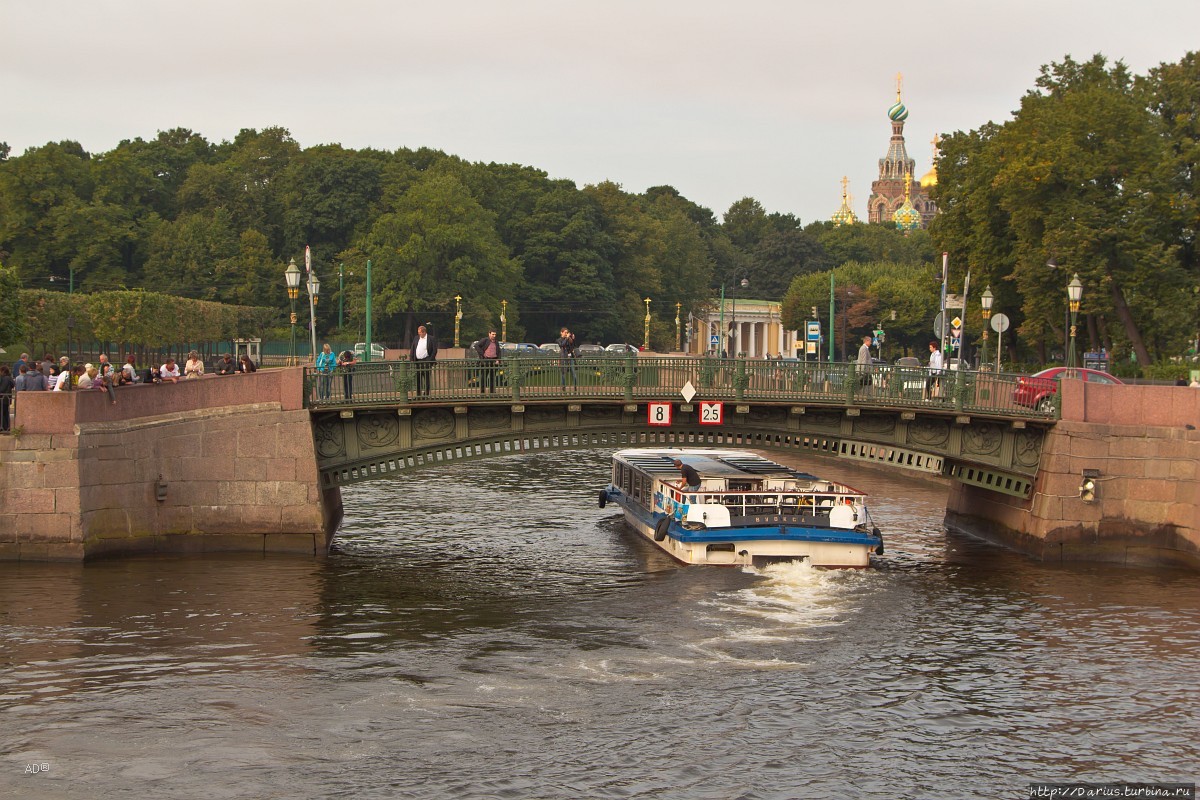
{"x":1038,"y":390}
{"x":588,"y":350}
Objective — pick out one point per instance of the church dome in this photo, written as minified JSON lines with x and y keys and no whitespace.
{"x":929,"y":178}
{"x":898,"y":112}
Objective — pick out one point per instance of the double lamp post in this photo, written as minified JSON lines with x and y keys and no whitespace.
{"x":292,"y":276}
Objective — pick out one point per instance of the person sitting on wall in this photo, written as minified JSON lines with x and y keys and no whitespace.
{"x":246,"y":365}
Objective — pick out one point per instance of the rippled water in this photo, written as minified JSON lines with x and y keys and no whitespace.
{"x":472,"y":638}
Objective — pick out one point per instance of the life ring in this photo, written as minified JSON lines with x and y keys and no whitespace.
{"x":660,"y":529}
{"x":603,"y":498}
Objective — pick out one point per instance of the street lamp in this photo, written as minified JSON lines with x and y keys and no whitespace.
{"x":341,"y":294}
{"x":70,"y":326}
{"x":314,"y":292}
{"x":678,"y":337}
{"x":457,"y":316}
{"x":1074,"y":295}
{"x":646,"y":337}
{"x":292,"y":276}
{"x":504,"y":320}
{"x":986,"y":300}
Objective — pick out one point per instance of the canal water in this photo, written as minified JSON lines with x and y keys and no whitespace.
{"x":486,"y":631}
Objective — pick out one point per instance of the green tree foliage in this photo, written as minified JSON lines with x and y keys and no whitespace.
{"x":12,"y":320}
{"x":439,"y":242}
{"x":1090,"y":172}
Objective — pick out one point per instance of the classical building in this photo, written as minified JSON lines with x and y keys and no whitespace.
{"x":753,"y":328}
{"x":893,"y":197}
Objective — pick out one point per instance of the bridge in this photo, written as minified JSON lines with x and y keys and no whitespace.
{"x":964,"y":425}
{"x":257,"y":462}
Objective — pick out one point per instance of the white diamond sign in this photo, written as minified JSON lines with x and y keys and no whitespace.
{"x":688,"y":391}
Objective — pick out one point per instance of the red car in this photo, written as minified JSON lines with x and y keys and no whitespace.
{"x":1038,"y":390}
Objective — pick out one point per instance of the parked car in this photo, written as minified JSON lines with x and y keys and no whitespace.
{"x":521,"y":349}
{"x":1038,"y":390}
{"x":588,"y":350}
{"x":551,"y":348}
{"x":360,"y":350}
{"x":621,"y":348}
{"x":910,"y":368}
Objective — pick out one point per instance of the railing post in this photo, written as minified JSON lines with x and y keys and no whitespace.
{"x":512,"y":368}
{"x":851,"y":382}
{"x":740,"y":380}
{"x":629,"y":375}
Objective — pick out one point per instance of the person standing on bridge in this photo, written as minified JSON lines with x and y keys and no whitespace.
{"x":325,"y":365}
{"x":933,"y":384}
{"x":423,"y":352}
{"x":566,"y":357}
{"x":345,"y":364}
{"x":864,"y":362}
{"x":489,"y":352}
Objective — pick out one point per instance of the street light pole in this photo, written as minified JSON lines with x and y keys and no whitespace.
{"x":678,"y":332}
{"x":1074,"y":295}
{"x":721,"y":332}
{"x":291,"y":276}
{"x":504,"y":320}
{"x":341,"y":295}
{"x":457,"y":316}
{"x":646,"y":337}
{"x":986,"y":300}
{"x":367,"y":354}
{"x":737,"y":334}
{"x":314,"y":292}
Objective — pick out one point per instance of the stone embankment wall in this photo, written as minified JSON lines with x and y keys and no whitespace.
{"x":1144,"y":441}
{"x":216,"y":464}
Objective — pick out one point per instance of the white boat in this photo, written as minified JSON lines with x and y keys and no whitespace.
{"x":749,"y":510}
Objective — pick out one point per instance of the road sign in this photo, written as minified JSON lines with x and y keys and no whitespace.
{"x":937,"y":325}
{"x":812,"y":331}
{"x":999,"y":323}
{"x":955,"y":342}
{"x":956,"y":331}
{"x":658,"y":414}
{"x":712,"y":413}
{"x":956,"y":323}
{"x":714,"y":340}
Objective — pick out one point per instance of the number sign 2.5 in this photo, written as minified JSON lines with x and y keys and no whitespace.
{"x":712,"y":413}
{"x":658,"y":414}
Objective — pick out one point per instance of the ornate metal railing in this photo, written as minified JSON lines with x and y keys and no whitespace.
{"x":641,"y":378}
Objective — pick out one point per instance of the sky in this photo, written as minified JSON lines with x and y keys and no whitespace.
{"x":761,"y":98}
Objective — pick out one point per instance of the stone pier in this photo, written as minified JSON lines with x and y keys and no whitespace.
{"x":1140,"y":445}
{"x":221,"y":463}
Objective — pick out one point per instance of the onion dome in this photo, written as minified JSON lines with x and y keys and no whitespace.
{"x":898,"y":112}
{"x":906,"y":217}
{"x":844,"y":215}
{"x":930,"y":178}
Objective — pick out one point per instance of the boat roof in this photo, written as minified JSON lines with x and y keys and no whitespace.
{"x":708,"y":463}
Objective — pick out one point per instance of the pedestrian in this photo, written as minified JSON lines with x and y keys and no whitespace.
{"x":194,"y":367}
{"x":345,"y":365}
{"x":691,"y":478}
{"x":167,"y":373}
{"x":488,"y":349}
{"x":325,"y":366}
{"x":129,"y":372}
{"x":84,"y":375}
{"x":933,"y":384}
{"x":62,"y":381}
{"x":35,"y":381}
{"x":23,"y":361}
{"x":226,"y":365}
{"x":246,"y":364}
{"x":6,"y":393}
{"x":864,"y":362}
{"x":566,"y":357}
{"x":48,"y":366}
{"x":423,"y":352}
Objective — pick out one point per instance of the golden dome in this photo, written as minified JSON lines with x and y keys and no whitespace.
{"x":929,"y":179}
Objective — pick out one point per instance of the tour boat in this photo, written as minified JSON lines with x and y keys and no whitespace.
{"x":748,"y":511}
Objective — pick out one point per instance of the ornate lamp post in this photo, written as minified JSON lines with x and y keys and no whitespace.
{"x":457,"y":316}
{"x":1074,"y":295}
{"x":314,"y":291}
{"x":504,"y":320}
{"x":292,"y":276}
{"x":986,"y":300}
{"x":736,"y":337}
{"x":678,"y":332}
{"x":646,"y":336}
{"x":341,"y":294}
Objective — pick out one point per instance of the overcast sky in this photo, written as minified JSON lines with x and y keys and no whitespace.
{"x":768,"y":99}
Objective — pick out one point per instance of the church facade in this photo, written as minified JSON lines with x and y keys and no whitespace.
{"x":894,"y":197}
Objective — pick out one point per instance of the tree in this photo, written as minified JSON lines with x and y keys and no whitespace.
{"x":439,"y":242}
{"x":779,"y":257}
{"x":12,"y":318}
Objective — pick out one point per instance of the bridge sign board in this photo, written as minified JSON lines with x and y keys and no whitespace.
{"x":658,"y":414}
{"x":712,"y":413}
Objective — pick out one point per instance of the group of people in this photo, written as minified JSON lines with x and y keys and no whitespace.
{"x":48,"y":374}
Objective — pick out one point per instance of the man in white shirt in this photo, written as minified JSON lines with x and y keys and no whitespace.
{"x":933,"y":384}
{"x":424,"y":352}
{"x":169,"y":371}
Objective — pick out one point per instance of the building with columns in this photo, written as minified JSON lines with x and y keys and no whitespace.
{"x":754,"y":328}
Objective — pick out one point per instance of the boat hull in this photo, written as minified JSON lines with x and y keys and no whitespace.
{"x":754,"y":545}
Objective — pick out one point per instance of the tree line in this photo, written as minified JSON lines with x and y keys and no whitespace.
{"x":1097,"y":173}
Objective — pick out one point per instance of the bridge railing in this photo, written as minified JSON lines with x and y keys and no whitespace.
{"x":630,"y":378}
